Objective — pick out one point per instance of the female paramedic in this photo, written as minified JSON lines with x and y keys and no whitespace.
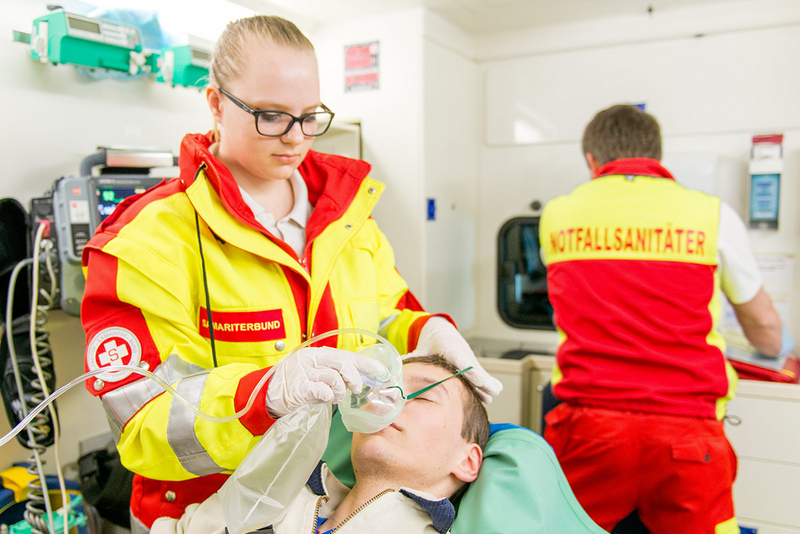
{"x":212,"y":276}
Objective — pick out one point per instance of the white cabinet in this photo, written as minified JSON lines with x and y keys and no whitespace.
{"x":767,"y":444}
{"x":523,"y":379}
{"x":541,"y":367}
{"x":341,"y":139}
{"x":512,"y":405}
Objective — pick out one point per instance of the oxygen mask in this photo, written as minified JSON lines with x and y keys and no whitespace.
{"x":381,"y":398}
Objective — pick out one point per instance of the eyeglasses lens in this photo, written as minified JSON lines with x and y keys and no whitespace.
{"x":278,"y":123}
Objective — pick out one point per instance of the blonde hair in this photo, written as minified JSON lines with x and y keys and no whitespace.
{"x":229,"y":50}
{"x":226,"y":60}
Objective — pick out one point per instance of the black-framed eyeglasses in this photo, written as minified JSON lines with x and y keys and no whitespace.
{"x":270,"y":123}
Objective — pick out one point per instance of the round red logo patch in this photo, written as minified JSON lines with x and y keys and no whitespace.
{"x":111,"y":348}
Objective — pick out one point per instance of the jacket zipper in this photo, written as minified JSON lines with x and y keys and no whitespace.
{"x":349,"y":517}
{"x":303,"y":262}
{"x":320,"y":502}
{"x":326,"y":275}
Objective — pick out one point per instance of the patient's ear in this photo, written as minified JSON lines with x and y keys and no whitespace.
{"x":467,"y":468}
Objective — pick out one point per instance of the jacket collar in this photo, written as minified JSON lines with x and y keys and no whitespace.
{"x":442,"y":511}
{"x":635,"y":167}
{"x":332,"y":181}
{"x":194,"y":154}
{"x":316,"y":482}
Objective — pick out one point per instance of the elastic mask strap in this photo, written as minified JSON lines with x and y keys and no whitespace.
{"x":426,"y":388}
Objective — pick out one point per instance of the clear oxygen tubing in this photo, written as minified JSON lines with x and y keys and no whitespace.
{"x":39,"y":341}
{"x":428,"y":388}
{"x":166,"y":387}
{"x":38,"y":505}
{"x":37,"y":489}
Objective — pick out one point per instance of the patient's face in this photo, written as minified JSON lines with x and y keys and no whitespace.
{"x":425,"y":442}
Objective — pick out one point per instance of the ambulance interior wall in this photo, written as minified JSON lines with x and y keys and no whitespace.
{"x":713,"y":76}
{"x":52,"y":119}
{"x":451,"y":133}
{"x":420,"y":132}
{"x":391,"y":119}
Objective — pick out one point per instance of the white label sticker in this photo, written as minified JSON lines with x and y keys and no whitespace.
{"x":79,"y":211}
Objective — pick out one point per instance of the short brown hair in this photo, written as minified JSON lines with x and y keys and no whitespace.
{"x":622,"y":131}
{"x":476,"y":420}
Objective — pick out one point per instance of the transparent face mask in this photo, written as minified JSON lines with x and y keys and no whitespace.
{"x":381,"y":398}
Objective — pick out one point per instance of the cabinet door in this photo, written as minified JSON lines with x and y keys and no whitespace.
{"x":341,"y":139}
{"x":765,"y":528}
{"x":769,"y":429}
{"x":511,"y":405}
{"x":541,"y":368}
{"x":766,"y":491}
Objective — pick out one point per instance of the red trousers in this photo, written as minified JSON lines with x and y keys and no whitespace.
{"x":677,"y":471}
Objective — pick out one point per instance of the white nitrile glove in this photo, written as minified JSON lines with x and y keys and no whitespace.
{"x":317,"y":375}
{"x":440,"y":337}
{"x":787,"y":343}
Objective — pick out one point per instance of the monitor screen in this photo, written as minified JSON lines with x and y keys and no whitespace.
{"x":200,"y":55}
{"x":108,"y":197}
{"x":83,"y":25}
{"x":764,"y":197}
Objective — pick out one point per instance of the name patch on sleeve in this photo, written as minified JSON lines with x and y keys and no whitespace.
{"x":266,"y":325}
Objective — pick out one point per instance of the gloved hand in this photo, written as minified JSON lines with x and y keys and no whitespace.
{"x":318,"y":375}
{"x":439,"y":336}
{"x":787,"y":343}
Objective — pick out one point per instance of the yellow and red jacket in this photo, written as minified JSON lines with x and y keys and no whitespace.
{"x":145,"y":304}
{"x":633,"y":279}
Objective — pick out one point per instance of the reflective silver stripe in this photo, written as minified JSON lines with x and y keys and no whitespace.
{"x":385,"y":324}
{"x":123,"y":403}
{"x":180,"y":428}
{"x":137,"y":527}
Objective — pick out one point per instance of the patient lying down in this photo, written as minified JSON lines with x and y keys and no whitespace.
{"x":404,"y":474}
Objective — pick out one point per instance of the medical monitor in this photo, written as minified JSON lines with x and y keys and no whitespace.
{"x":109,"y":191}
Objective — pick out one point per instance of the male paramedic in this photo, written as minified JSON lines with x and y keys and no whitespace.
{"x":635,"y":265}
{"x":434,"y":447}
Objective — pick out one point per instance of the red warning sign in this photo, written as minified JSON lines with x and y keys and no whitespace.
{"x":361,"y":67}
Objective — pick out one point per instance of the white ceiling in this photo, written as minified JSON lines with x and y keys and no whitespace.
{"x":474,"y":16}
